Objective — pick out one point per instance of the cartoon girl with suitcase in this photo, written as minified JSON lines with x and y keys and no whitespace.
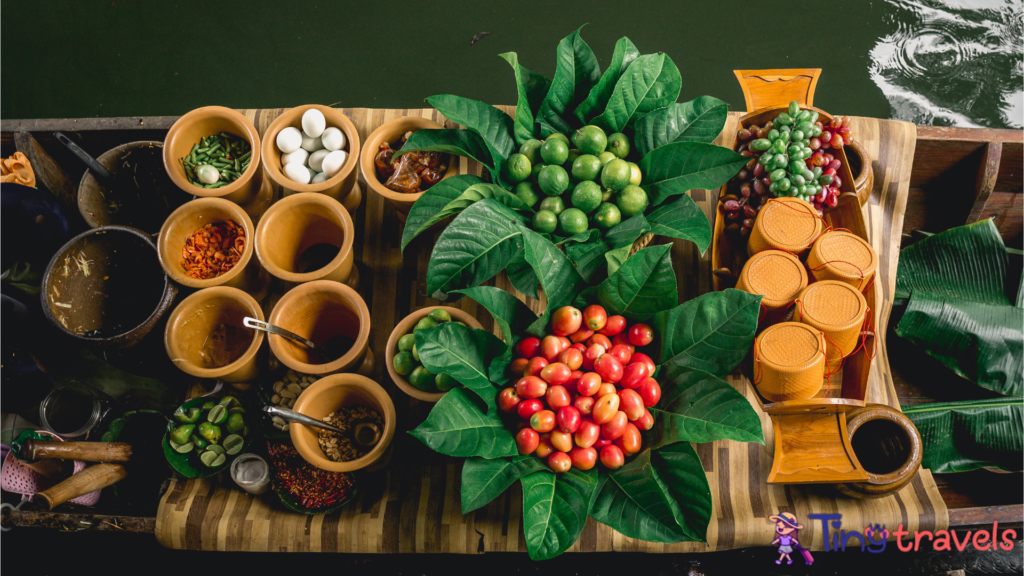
{"x":786,"y":531}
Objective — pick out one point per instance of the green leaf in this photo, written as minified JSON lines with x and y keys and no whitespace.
{"x":457,"y":427}
{"x":555,"y":510}
{"x":478,"y":192}
{"x":532,"y":88}
{"x":699,"y":407}
{"x":699,"y":120}
{"x":588,"y":257}
{"x":493,"y":125}
{"x":581,"y":237}
{"x":676,"y":168}
{"x":521,"y":275}
{"x":478,"y":244}
{"x":576,"y":71}
{"x":458,"y":142}
{"x":430,"y":208}
{"x":624,"y":55}
{"x":660,"y":496}
{"x":652,"y":81}
{"x":964,"y":436}
{"x":509,"y":313}
{"x":682,"y":219}
{"x":643,"y":285}
{"x":558,"y":277}
{"x":484,"y":480}
{"x":713,"y":332}
{"x":462,"y":353}
{"x":620,"y":239}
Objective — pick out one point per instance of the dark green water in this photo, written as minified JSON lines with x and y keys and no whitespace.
{"x":946,"y":62}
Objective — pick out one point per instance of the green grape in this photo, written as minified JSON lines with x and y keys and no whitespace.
{"x":763,"y":159}
{"x":781,"y":160}
{"x":783,"y":119}
{"x":794,"y":108}
{"x":825,"y":179}
{"x":784,"y":184}
{"x":794,"y":150}
{"x":816,"y":131}
{"x":779,"y":146}
{"x":816,"y":171}
{"x":803,"y":115}
{"x":813,"y":118}
{"x":808,"y":175}
{"x":774,"y":188}
{"x":798,"y":135}
{"x":796,"y":167}
{"x":785,"y":135}
{"x":777,"y":175}
{"x":760,"y":144}
{"x":773,"y":134}
{"x":798,"y":180}
{"x":805,"y":127}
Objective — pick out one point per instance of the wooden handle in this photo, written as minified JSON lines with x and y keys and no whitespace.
{"x":85,"y":451}
{"x":777,"y":87}
{"x":89,"y":480}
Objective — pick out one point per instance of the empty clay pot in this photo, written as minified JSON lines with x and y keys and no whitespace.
{"x":888,"y":447}
{"x":306,"y":237}
{"x":406,"y":326}
{"x":205,"y":336}
{"x":332,"y":316}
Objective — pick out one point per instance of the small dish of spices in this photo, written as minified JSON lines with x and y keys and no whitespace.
{"x":410,"y":173}
{"x":213,"y":250}
{"x":362,"y":428}
{"x":305,"y":488}
{"x":217,"y":160}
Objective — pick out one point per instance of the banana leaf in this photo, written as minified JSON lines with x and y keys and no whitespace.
{"x":964,"y":436}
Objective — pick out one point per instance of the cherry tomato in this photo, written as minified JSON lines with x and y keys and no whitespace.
{"x":518,"y":366}
{"x":630,"y":439}
{"x":544,"y":449}
{"x":523,"y":424}
{"x":600,"y":340}
{"x":631,"y":404}
{"x":579,"y":346}
{"x":605,"y":408}
{"x":581,"y":335}
{"x":556,"y":373}
{"x":612,"y":457}
{"x":531,"y":387}
{"x":573,"y":381}
{"x":566,"y":343}
{"x":583,"y":458}
{"x":534,"y":366}
{"x":528,"y":347}
{"x":641,"y":334}
{"x":572,"y":358}
{"x":569,"y":419}
{"x":585,"y":404}
{"x":613,"y":326}
{"x":595,"y":317}
{"x":566,"y":320}
{"x":606,"y":388}
{"x":550,"y":348}
{"x":645,"y":422}
{"x":622,"y":339}
{"x":508,"y":399}
{"x":593,"y":352}
{"x":589,"y":383}
{"x":623,"y":353}
{"x":561,"y":441}
{"x":614,"y":427}
{"x":632,"y":375}
{"x":543,"y":421}
{"x":527,"y":441}
{"x":559,"y":462}
{"x":650,"y":392}
{"x":587,"y":433}
{"x":528,"y":408}
{"x":558,"y":397}
{"x":602,"y":442}
{"x":641,"y":357}
{"x":609,"y":368}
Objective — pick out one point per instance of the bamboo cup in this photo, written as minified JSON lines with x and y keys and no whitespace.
{"x":297,"y":223}
{"x":837,"y":310}
{"x":778,"y":277}
{"x":787,"y":224}
{"x":843,"y":256}
{"x":789,"y":362}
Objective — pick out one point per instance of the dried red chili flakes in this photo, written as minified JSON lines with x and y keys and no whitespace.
{"x":311,"y":486}
{"x":213,"y":250}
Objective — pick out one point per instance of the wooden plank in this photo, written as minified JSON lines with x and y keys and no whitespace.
{"x":986,"y":516}
{"x":78,"y":521}
{"x":985,"y":181}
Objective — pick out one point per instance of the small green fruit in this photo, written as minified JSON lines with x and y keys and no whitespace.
{"x":440,"y":315}
{"x":527,"y":192}
{"x":422,"y":378}
{"x":607,"y":216}
{"x":615,"y":175}
{"x":405,"y":343}
{"x":553,"y":204}
{"x":554,"y":151}
{"x":531,"y":149}
{"x":403,"y":363}
{"x":605,"y":158}
{"x":632,"y":200}
{"x":635,"y":176}
{"x":591,"y":140}
{"x":545,"y":221}
{"x":518,"y":167}
{"x":586,"y":196}
{"x":425,"y":323}
{"x":572,"y":222}
{"x":586,"y":167}
{"x":445,"y":382}
{"x":618,"y":144}
{"x":553,"y":180}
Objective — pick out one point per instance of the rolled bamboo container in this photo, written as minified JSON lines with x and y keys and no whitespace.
{"x":840,"y":255}
{"x":837,"y":309}
{"x":778,"y":277}
{"x":789,"y":362}
{"x":787,"y":224}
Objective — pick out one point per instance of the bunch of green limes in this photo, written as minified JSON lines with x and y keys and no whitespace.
{"x":407,"y":359}
{"x":202,"y":431}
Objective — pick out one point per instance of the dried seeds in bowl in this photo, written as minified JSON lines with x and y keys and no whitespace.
{"x":362,"y":426}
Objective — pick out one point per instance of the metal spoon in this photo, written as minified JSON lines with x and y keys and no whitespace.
{"x":271,"y":329}
{"x":365,"y":433}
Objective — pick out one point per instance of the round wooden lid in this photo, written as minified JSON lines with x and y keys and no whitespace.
{"x":844,"y":255}
{"x":790,"y":346}
{"x":832,"y":305}
{"x":778,"y":276}
{"x":789,"y":224}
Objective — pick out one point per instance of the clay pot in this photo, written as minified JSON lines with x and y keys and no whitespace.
{"x":342,"y":186}
{"x":300,"y":232}
{"x":140,"y":199}
{"x":251,"y":191}
{"x":105,"y":287}
{"x":403,"y":328}
{"x":246,"y":275}
{"x":860,"y":167}
{"x":192,"y":325}
{"x":327,"y":395}
{"x":390,"y":132}
{"x":888,"y":447}
{"x":320,"y":311}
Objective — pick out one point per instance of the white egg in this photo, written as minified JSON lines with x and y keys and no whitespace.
{"x":311,"y":144}
{"x":297,"y":173}
{"x":312,"y":173}
{"x":320,"y":177}
{"x":316,"y":160}
{"x":289,"y":139}
{"x":333,"y":139}
{"x":299,"y":156}
{"x":313,"y":123}
{"x":333,"y":162}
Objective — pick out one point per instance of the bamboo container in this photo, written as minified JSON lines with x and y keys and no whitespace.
{"x":778,"y":277}
{"x":837,"y":309}
{"x":789,"y":362}
{"x":788,"y":224}
{"x":840,"y":255}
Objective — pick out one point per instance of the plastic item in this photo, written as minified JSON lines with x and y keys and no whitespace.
{"x":837,"y":309}
{"x":251,"y":473}
{"x":778,"y":277}
{"x":18,"y":478}
{"x":840,"y":255}
{"x":787,"y":224}
{"x":789,"y":362}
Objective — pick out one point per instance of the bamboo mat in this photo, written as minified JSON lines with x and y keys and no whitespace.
{"x":414,"y":506}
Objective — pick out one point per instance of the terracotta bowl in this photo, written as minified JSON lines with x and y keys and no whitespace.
{"x":293,"y":226}
{"x":390,"y":132}
{"x":403,"y":328}
{"x":342,"y":186}
{"x":860,"y":167}
{"x":249,"y":191}
{"x":319,"y":311}
{"x":327,"y":395}
{"x":246,"y":275}
{"x":191,"y":324}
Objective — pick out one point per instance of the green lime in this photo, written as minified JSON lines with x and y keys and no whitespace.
{"x":403,"y":363}
{"x":607,"y":194}
{"x":586,"y":167}
{"x":545,"y":221}
{"x":632,"y":200}
{"x":425,"y":323}
{"x":445,"y":382}
{"x":422,"y":378}
{"x":215,"y":449}
{"x":605,"y":158}
{"x":415,"y":353}
{"x":210,"y":432}
{"x":440,"y":315}
{"x":591,"y":140}
{"x":535,"y":172}
{"x":635,"y":176}
{"x":553,"y":204}
{"x":236,"y":422}
{"x":190,"y":416}
{"x":615,"y":174}
{"x":518,"y":167}
{"x":574,"y":153}
{"x":586,"y":196}
{"x":208,"y":404}
{"x":208,"y":459}
{"x":553,"y":180}
{"x":554,"y":151}
{"x":607,"y":215}
{"x":463,"y":324}
{"x":238,"y":409}
{"x":218,"y":415}
{"x":531,"y":149}
{"x":233,"y":444}
{"x":572,"y":222}
{"x":527,"y":192}
{"x":200,"y":443}
{"x":559,"y":136}
{"x":180,"y":434}
{"x":183,"y":448}
{"x":405,"y":343}
{"x":618,"y":144}
{"x":229,"y":401}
